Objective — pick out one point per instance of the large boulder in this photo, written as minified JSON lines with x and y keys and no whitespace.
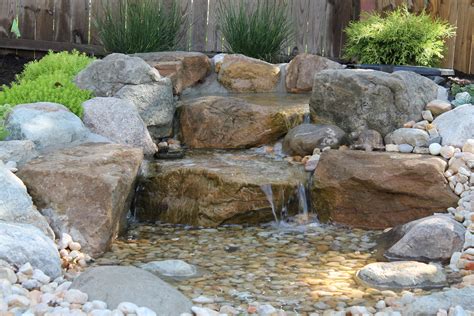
{"x":16,"y":205}
{"x":240,"y":73}
{"x":114,"y":285}
{"x":412,"y":136}
{"x":434,"y":238}
{"x":131,"y":78}
{"x":379,"y":190}
{"x":19,"y":151}
{"x":213,"y":189}
{"x":185,"y":69}
{"x":119,"y":121}
{"x":456,"y":126}
{"x":402,"y":275}
{"x":360,"y":99}
{"x":49,"y":126}
{"x":301,"y":70}
{"x":85,"y":191}
{"x":22,"y":243}
{"x":303,"y":139}
{"x":223,"y":122}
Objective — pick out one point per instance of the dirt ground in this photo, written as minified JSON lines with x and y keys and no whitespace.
{"x":10,"y":65}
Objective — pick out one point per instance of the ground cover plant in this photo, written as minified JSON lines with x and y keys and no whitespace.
{"x":262,"y":33}
{"x":400,"y":38}
{"x":138,"y":26}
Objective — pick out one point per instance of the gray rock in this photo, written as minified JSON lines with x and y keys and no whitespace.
{"x":16,"y":205}
{"x":412,"y":136}
{"x":456,"y":126}
{"x":431,"y":304}
{"x":304,"y":138}
{"x":405,"y":148}
{"x":433,"y":238}
{"x":171,"y":268}
{"x":113,"y":285}
{"x":105,"y":77}
{"x":155,"y":104}
{"x":402,"y":275}
{"x":49,"y":126}
{"x":22,"y":243}
{"x":119,"y":121}
{"x":19,"y":151}
{"x":369,"y":140}
{"x":359,"y":99}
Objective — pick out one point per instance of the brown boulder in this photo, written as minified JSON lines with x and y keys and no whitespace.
{"x":301,"y":70}
{"x":213,"y":189}
{"x":85,"y":191}
{"x":379,"y":190}
{"x":240,"y":73}
{"x":226,"y":123}
{"x":185,"y":69}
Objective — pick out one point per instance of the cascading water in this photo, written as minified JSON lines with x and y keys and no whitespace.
{"x":267,"y":189}
{"x":306,"y":118}
{"x":303,"y":202}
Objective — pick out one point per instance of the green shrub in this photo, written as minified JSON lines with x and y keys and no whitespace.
{"x":400,"y":38}
{"x":47,"y":80}
{"x":456,"y":88}
{"x":261,"y":34}
{"x":138,"y":26}
{"x":64,"y":63}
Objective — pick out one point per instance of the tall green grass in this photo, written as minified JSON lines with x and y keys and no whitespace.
{"x":139,"y":26}
{"x":262,"y":33}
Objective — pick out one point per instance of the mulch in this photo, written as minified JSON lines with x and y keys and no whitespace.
{"x":10,"y":65}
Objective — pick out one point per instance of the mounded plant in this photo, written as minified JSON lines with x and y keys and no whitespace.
{"x":400,"y":38}
{"x":261,"y":33}
{"x":139,"y":26}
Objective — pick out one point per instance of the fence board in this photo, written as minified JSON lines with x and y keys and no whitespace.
{"x":299,"y":12}
{"x":8,"y":10}
{"x":27,"y":19}
{"x":62,"y":21}
{"x":44,"y":20}
{"x":80,"y":21}
{"x":212,"y":32}
{"x":199,"y":25}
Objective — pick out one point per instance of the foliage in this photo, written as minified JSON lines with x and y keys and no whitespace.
{"x":400,"y":38}
{"x":138,"y":26}
{"x":456,"y":88}
{"x":47,"y":80}
{"x":262,"y":33}
{"x":64,"y":63}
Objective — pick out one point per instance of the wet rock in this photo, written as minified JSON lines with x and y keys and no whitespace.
{"x":131,"y":78}
{"x":431,"y":304}
{"x":114,"y":285}
{"x":85,"y":191}
{"x":223,"y":122}
{"x":216,"y":188}
{"x":239,"y":73}
{"x":358,"y":99}
{"x":22,"y":243}
{"x":434,"y":238}
{"x":402,"y":275}
{"x":185,"y":69}
{"x":119,"y":121}
{"x":19,"y":151}
{"x":456,"y":126}
{"x":171,"y":268}
{"x":412,"y":136}
{"x":303,"y":139}
{"x":379,"y":190}
{"x":301,"y":70}
{"x":49,"y":126}
{"x":17,"y":206}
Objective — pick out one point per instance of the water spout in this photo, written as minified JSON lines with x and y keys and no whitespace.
{"x":303,"y":202}
{"x":267,"y":189}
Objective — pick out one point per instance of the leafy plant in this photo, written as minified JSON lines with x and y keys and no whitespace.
{"x":47,"y":80}
{"x":262,"y":33}
{"x":400,"y":38}
{"x":456,"y":88}
{"x":138,"y":26}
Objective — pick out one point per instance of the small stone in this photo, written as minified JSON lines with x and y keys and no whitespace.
{"x":405,"y":148}
{"x":435,"y":149}
{"x":422,"y":125}
{"x":26,"y":269}
{"x":31,"y":284}
{"x":447,"y":151}
{"x":100,"y":312}
{"x":99,"y":304}
{"x":312,"y":163}
{"x":468,"y":146}
{"x":421,"y":150}
{"x":127,"y":308}
{"x":381,"y":304}
{"x":391,"y":148}
{"x":201,"y":311}
{"x":438,"y":107}
{"x":75,"y":297}
{"x":145,"y":311}
{"x":427,"y":115}
{"x":409,"y":124}
{"x":8,"y":274}
{"x":459,"y":189}
{"x":266,"y":310}
{"x":203,"y":300}
{"x":16,"y":300}
{"x":75,"y":246}
{"x":40,"y":276}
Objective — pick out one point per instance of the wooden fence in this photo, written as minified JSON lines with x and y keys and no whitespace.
{"x":319,"y":24}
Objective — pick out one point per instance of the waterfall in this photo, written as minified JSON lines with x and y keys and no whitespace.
{"x":267,"y":189}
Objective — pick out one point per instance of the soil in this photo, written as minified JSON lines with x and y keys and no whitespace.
{"x":10,"y":65}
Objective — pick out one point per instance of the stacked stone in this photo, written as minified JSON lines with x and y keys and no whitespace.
{"x":72,"y":259}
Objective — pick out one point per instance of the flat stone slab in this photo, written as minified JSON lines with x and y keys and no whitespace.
{"x":401,"y":275}
{"x":209,"y":189}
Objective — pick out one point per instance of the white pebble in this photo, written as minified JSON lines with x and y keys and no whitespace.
{"x":26,"y":269}
{"x":145,"y":311}
{"x":447,"y":151}
{"x":203,"y":300}
{"x":99,"y":304}
{"x":100,"y":312}
{"x":8,"y":274}
{"x":127,"y":308}
{"x":391,"y":148}
{"x":16,"y":300}
{"x":435,"y":149}
{"x":76,"y":297}
{"x":75,"y":246}
{"x":40,"y":276}
{"x":380,"y":304}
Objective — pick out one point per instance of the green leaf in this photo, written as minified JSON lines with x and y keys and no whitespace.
{"x":15,"y":29}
